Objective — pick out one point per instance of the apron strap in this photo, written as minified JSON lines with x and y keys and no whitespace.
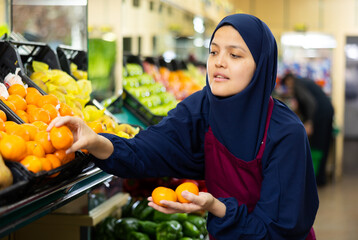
{"x":263,"y":143}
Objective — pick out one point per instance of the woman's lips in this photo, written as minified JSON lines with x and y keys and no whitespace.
{"x":218,"y":77}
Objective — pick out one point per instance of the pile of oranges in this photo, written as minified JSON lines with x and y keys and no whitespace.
{"x":34,"y":147}
{"x":164,"y":193}
{"x":29,"y":143}
{"x":31,"y":106}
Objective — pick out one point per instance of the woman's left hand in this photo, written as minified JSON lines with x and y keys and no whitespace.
{"x":203,"y":201}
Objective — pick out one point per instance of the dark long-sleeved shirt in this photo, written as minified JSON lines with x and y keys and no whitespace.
{"x":175,"y":147}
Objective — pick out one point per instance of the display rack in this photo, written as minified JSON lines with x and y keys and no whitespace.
{"x":21,"y":213}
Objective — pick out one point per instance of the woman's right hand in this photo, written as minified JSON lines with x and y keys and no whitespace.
{"x":84,"y":137}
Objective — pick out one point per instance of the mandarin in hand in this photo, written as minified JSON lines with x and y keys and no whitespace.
{"x":186,"y":186}
{"x":163,"y":193}
{"x":61,"y":137}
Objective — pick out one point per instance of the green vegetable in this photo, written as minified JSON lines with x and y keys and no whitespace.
{"x":125,"y":226}
{"x":137,"y":236}
{"x":199,"y":222}
{"x":160,"y":217}
{"x":141,"y":210}
{"x":148,"y":227}
{"x":147,"y":213}
{"x":190,"y":229}
{"x":127,"y":208}
{"x":169,"y":230}
{"x":105,"y":229}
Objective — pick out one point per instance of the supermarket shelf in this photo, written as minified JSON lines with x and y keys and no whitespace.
{"x":23,"y":212}
{"x":95,"y":216}
{"x":127,"y":116}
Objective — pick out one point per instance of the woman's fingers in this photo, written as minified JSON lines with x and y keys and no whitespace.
{"x":59,"y":121}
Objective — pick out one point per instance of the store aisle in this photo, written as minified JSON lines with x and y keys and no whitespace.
{"x":337,"y":217}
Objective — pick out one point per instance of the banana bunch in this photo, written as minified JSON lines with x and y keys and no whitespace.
{"x":100,"y":122}
{"x":57,"y":82}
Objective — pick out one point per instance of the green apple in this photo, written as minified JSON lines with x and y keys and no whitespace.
{"x":146,"y":79}
{"x":130,"y":82}
{"x":134,"y":69}
{"x":166,"y":97}
{"x":150,"y":101}
{"x":138,"y":92}
{"x":156,"y":88}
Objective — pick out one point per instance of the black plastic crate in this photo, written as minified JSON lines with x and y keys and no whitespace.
{"x":10,"y":60}
{"x":45,"y":179}
{"x":30,"y":51}
{"x":139,"y":110}
{"x":41,"y":179}
{"x":18,"y":189}
{"x":152,"y":60}
{"x":67,"y":54}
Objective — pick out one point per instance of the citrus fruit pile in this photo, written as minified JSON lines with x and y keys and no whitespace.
{"x":164,"y":193}
{"x":76,"y":94}
{"x":31,"y":106}
{"x":34,"y":147}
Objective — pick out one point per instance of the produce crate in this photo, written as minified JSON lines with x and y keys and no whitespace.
{"x":10,"y":60}
{"x":67,"y":54}
{"x":30,"y":51}
{"x":139,"y":110}
{"x":18,"y":189}
{"x":133,"y":105}
{"x":41,"y":179}
{"x":43,"y":53}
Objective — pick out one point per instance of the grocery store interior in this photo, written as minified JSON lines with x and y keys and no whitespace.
{"x":121,"y":65}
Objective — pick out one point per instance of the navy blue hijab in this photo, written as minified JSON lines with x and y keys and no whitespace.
{"x":238,"y":121}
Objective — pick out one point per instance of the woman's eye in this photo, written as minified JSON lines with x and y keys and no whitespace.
{"x":212,"y":52}
{"x":235,"y":56}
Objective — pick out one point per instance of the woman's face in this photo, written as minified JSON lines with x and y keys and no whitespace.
{"x":230,"y":64}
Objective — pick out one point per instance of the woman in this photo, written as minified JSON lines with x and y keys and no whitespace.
{"x":251,"y":150}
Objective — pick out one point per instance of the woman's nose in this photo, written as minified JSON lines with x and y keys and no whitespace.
{"x":220,"y":61}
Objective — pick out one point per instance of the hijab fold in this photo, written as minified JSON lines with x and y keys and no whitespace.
{"x":238,"y":121}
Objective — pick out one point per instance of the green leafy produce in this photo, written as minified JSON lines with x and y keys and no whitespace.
{"x":169,"y":230}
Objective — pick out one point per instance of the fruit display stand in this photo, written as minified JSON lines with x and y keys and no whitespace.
{"x":147,"y":99}
{"x":68,"y":55}
{"x":18,"y":214}
{"x":43,"y":198}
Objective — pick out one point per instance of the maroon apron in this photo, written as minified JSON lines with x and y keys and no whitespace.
{"x":238,"y":178}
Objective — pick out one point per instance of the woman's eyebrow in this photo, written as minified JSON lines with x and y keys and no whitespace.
{"x":236,"y":47}
{"x":230,"y":46}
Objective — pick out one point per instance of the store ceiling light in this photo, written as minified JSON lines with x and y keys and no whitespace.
{"x":351,"y":51}
{"x":308,"y":40}
{"x":198,"y":42}
{"x":51,"y":2}
{"x":198,"y":25}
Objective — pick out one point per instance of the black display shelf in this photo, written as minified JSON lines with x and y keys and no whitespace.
{"x":18,"y":214}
